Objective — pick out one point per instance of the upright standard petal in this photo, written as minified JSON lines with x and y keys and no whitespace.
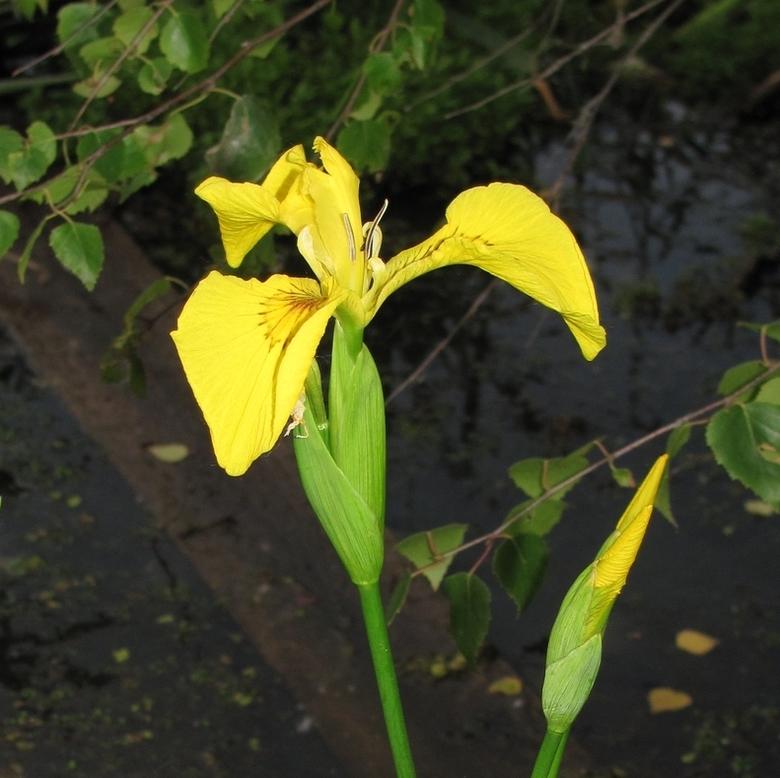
{"x":335,"y":229}
{"x":246,"y":347}
{"x":508,"y":231}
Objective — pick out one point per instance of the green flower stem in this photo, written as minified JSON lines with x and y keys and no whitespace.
{"x":376,"y":628}
{"x":548,"y":760}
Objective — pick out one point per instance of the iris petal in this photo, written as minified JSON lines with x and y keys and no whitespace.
{"x":246,"y":347}
{"x":509,"y":232}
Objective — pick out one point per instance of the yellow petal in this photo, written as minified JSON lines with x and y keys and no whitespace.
{"x":245,"y":212}
{"x":246,"y":347}
{"x":285,"y":171}
{"x":508,"y":231}
{"x":336,"y":229}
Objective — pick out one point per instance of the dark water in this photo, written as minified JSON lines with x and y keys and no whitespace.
{"x":681,"y":226}
{"x":115,"y":658}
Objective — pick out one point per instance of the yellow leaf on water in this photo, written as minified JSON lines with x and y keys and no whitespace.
{"x":663,"y":699}
{"x":169,"y":452}
{"x":695,"y":642}
{"x":510,"y":685}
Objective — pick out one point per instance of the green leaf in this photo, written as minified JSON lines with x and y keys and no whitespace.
{"x":623,"y":477}
{"x":250,"y":142}
{"x":469,"y":612}
{"x":663,"y":499}
{"x":428,"y":18}
{"x":101,"y":53}
{"x":536,"y":476}
{"x":171,"y":140}
{"x":79,"y":247}
{"x":123,"y":160}
{"x":540,"y":520}
{"x":382,"y":73}
{"x":130,"y":24}
{"x":92,"y":196}
{"x":9,"y":231}
{"x":424,"y":548}
{"x":28,"y":7}
{"x":740,"y":437}
{"x":11,"y":143}
{"x":24,"y":259}
{"x":519,"y":565}
{"x":366,"y":145}
{"x":156,"y":289}
{"x":28,"y":164}
{"x":184,"y":42}
{"x":88,"y":86}
{"x":367,"y":107}
{"x":769,"y":392}
{"x":154,"y":76}
{"x":677,"y":439}
{"x":71,"y":19}
{"x":739,"y":375}
{"x":398,"y":598}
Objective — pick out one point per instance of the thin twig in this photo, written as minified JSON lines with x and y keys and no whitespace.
{"x":129,"y":49}
{"x":584,"y":122}
{"x":380,"y":42}
{"x":229,"y":14}
{"x":442,"y":344}
{"x":688,"y":418}
{"x":558,"y":64}
{"x":458,"y":77}
{"x":64,"y":45}
{"x":130,"y":124}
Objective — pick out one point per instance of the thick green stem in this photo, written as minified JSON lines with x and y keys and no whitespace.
{"x":548,"y":760}
{"x":374,"y":616}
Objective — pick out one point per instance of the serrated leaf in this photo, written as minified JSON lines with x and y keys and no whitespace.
{"x":736,"y":435}
{"x":184,"y":42}
{"x":92,"y":196}
{"x":769,"y":392}
{"x":250,"y":142}
{"x":154,"y":76}
{"x":739,"y":375}
{"x":538,"y":521}
{"x":171,"y":140}
{"x":469,"y":612}
{"x":536,"y":476}
{"x":123,"y":160}
{"x":71,"y":19}
{"x":366,"y":145}
{"x":519,"y":565}
{"x":9,"y":231}
{"x":79,"y":247}
{"x":39,"y":150}
{"x":130,"y":24}
{"x":424,"y":548}
{"x":398,"y":598}
{"x":677,"y":439}
{"x":382,"y":73}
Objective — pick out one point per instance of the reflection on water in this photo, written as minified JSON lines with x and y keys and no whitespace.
{"x":678,"y":224}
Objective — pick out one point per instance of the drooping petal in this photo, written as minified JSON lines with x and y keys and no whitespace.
{"x":247,"y":211}
{"x":246,"y":347}
{"x":508,"y":231}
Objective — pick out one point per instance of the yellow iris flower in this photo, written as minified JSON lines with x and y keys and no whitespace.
{"x":246,"y":346}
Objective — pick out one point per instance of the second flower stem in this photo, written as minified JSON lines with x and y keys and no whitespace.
{"x":376,"y":628}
